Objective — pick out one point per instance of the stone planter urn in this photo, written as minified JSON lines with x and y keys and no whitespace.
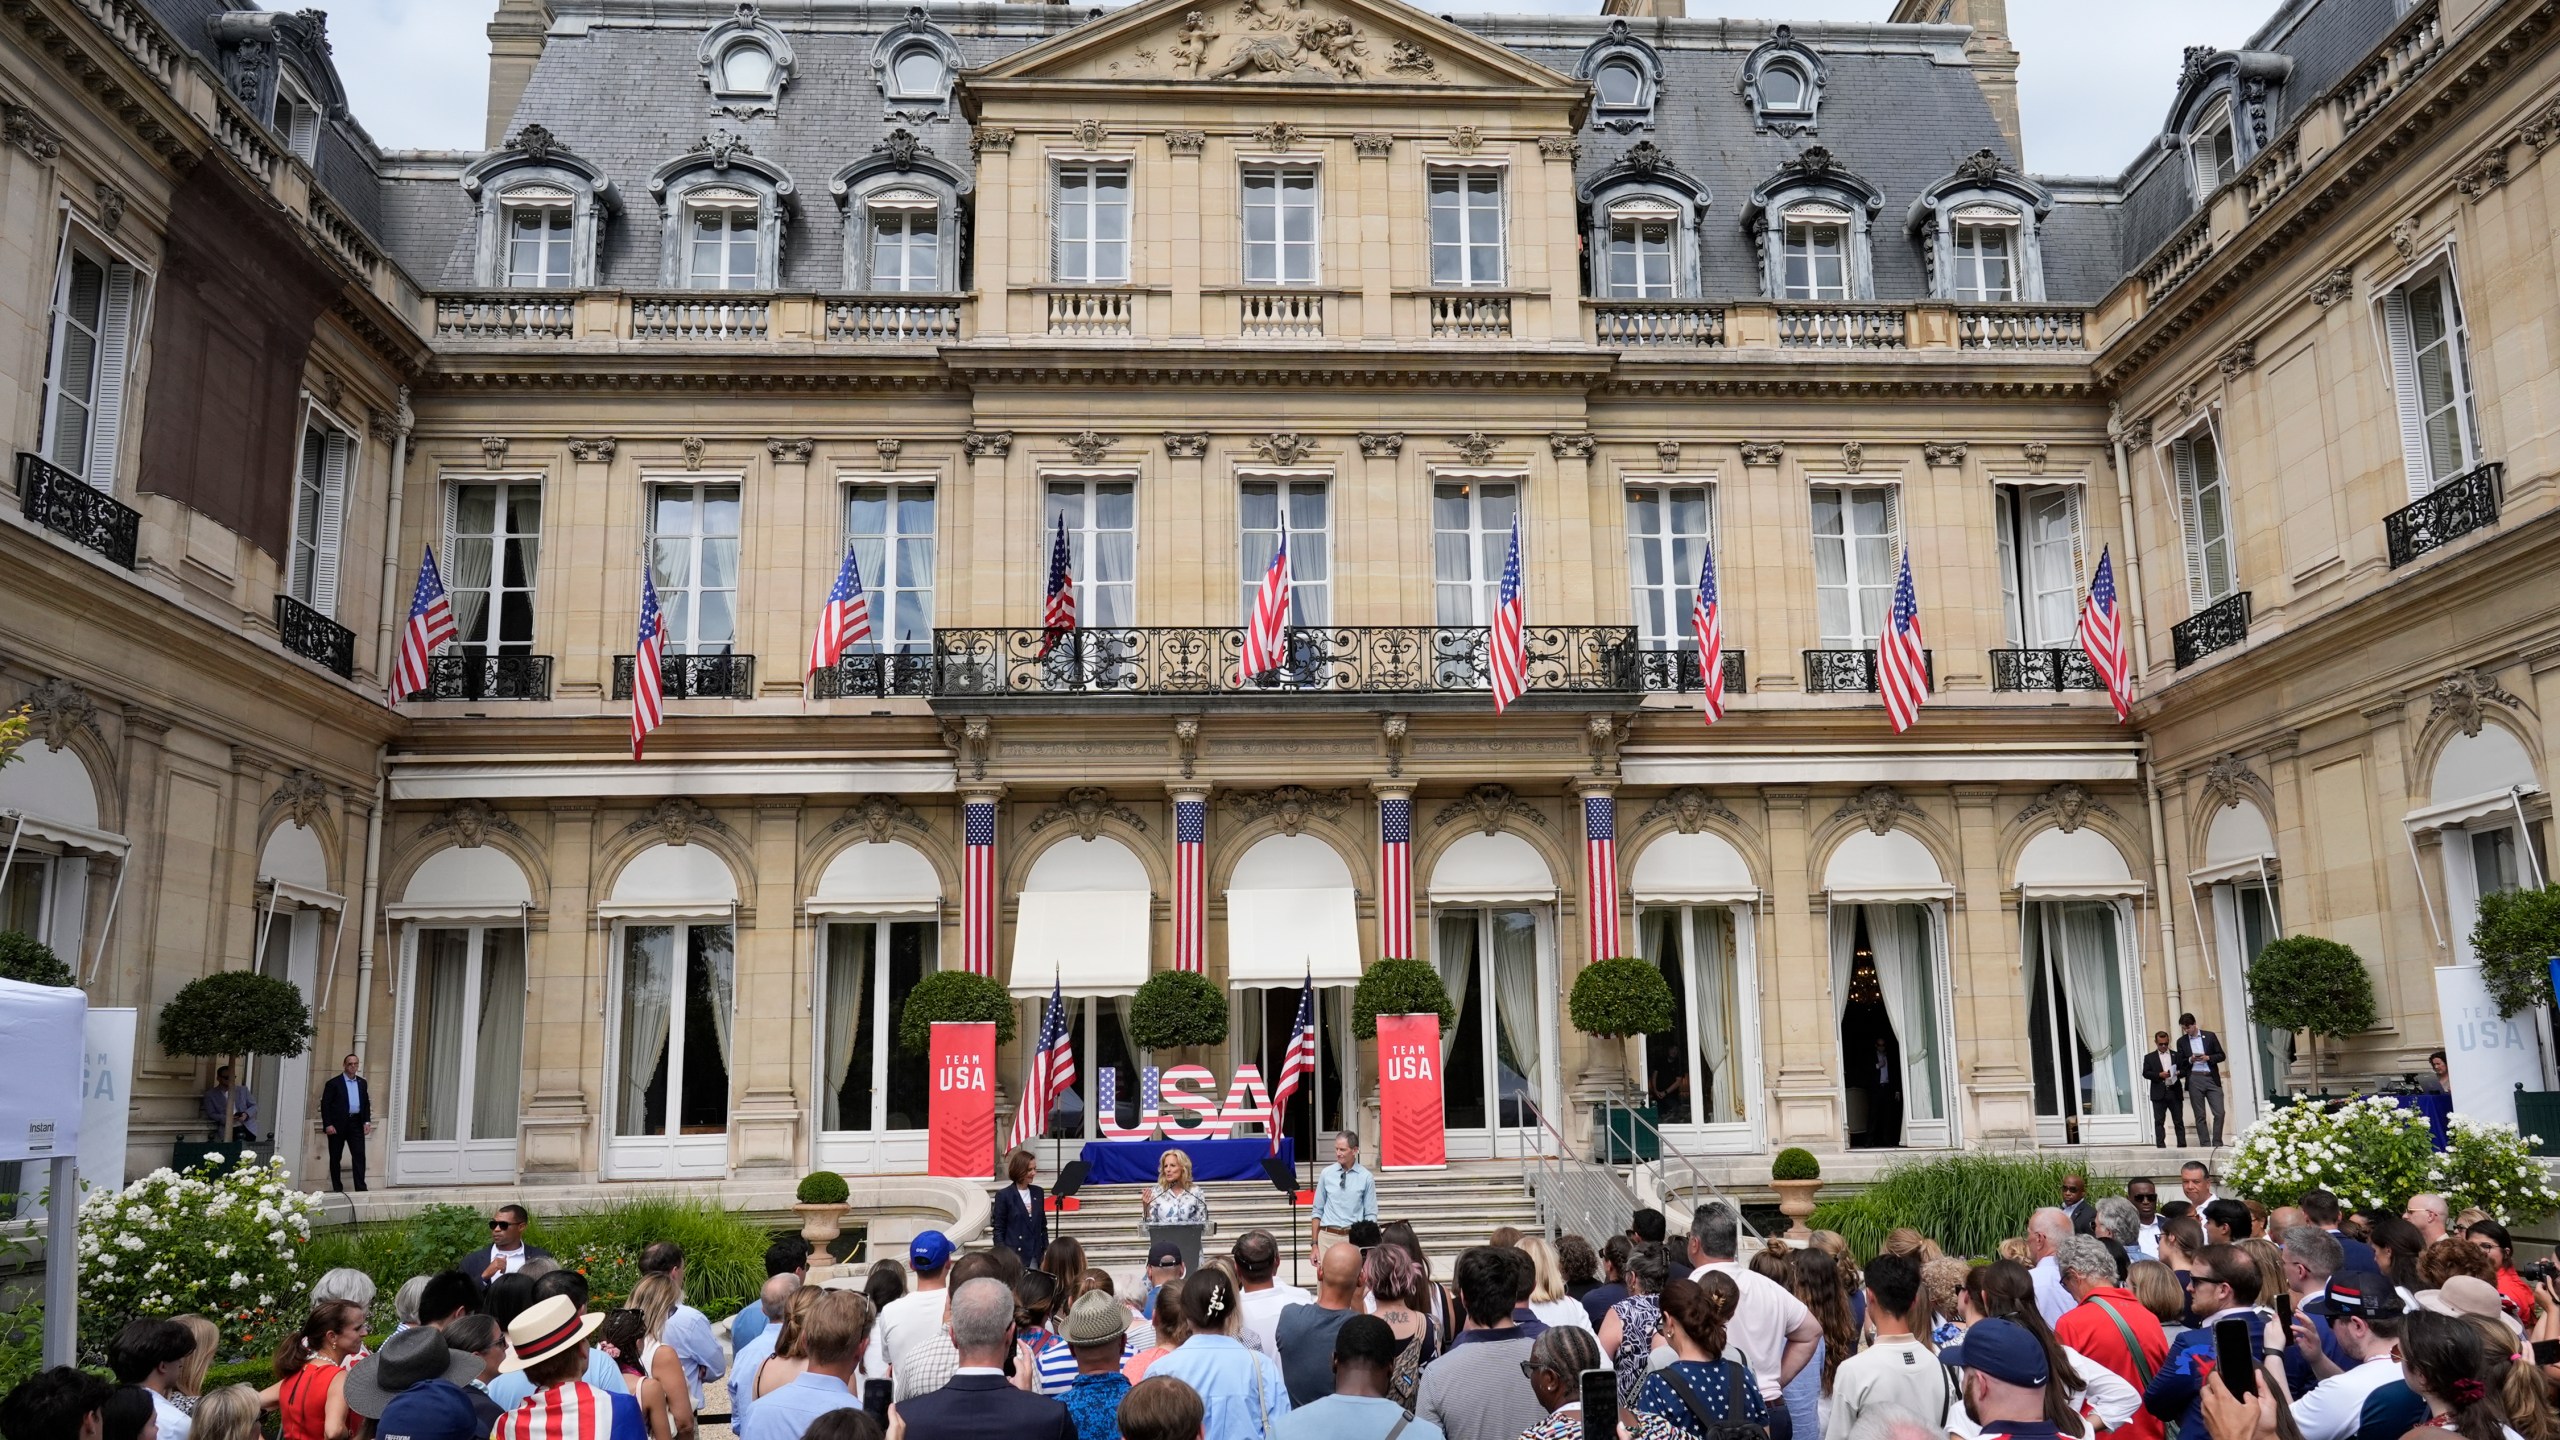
{"x":1795,"y":1201}
{"x":820,"y":1225}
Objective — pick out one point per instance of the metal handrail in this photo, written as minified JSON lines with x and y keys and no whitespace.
{"x":1571,"y":1192}
{"x":1664,"y":1156}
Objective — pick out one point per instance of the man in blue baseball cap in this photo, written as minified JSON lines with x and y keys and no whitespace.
{"x":918,"y":1313}
{"x":2005,"y":1371}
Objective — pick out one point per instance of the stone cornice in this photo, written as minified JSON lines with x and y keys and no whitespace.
{"x":123,"y":87}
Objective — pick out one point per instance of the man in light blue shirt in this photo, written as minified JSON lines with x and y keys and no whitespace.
{"x":786,"y":1256}
{"x":1345,"y":1194}
{"x":688,"y":1330}
{"x":770,"y":1306}
{"x":836,"y":1328}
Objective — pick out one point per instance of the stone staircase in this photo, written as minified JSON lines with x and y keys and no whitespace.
{"x":1450,"y":1210}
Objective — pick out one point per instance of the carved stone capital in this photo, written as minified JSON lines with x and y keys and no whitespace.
{"x":1186,"y":142}
{"x":2239,"y":360}
{"x":2334,"y":286}
{"x":1372,"y":144}
{"x":1279,"y":135}
{"x":970,"y":738}
{"x":1381,"y":444}
{"x":1185,"y":444}
{"x":791,"y":452}
{"x":2486,"y":172}
{"x":1560,"y":147}
{"x":1282,"y":447}
{"x":985,"y":444}
{"x":1762,"y":454}
{"x":1573,"y":444}
{"x":23,"y":128}
{"x":594,"y":450}
{"x":990,"y":137}
{"x":1942,"y":454}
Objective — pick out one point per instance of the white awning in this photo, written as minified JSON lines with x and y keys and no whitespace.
{"x":1085,"y":942}
{"x":294,"y":867}
{"x":1678,"y":868}
{"x":1892,"y":868}
{"x":2498,"y":803}
{"x":673,"y":882}
{"x":62,"y":835}
{"x":891,"y":878}
{"x":46,"y":797}
{"x":2236,"y":844}
{"x":2078,"y":865}
{"x":1484,"y":869}
{"x":1280,"y":937}
{"x":465,"y":884}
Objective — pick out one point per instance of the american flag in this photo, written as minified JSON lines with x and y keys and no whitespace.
{"x":647,"y":685}
{"x":1058,"y":621}
{"x":1053,"y":1072}
{"x":2102,"y":637}
{"x":1299,"y":1063}
{"x":846,"y":620}
{"x":1190,"y":885}
{"x":1600,"y":848}
{"x":1707,"y":619}
{"x":1902,"y":667}
{"x":1395,"y":882}
{"x":430,"y":627}
{"x":1507,"y":650}
{"x":978,"y":887}
{"x":1264,"y":632}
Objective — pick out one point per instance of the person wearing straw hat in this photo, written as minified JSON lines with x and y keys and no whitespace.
{"x":549,"y":1345}
{"x":411,"y":1388}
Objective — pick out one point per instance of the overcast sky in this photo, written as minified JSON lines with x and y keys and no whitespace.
{"x":2096,"y":81}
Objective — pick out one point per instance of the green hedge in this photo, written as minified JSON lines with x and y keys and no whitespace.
{"x":723,"y":1251}
{"x":1178,"y":1009}
{"x":1967,"y":1203}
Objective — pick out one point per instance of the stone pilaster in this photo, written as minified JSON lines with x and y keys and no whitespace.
{"x":564,"y":1028}
{"x":1804,"y":1088}
{"x":1998,"y":1088}
{"x":765,"y":1121}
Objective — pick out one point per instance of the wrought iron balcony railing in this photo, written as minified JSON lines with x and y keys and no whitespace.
{"x":476,"y":675}
{"x":76,"y":510}
{"x":2467,"y":502}
{"x":314,"y":636}
{"x":1677,"y":670}
{"x":900,"y":672}
{"x":2218,"y":626}
{"x":693,"y":677}
{"x":1208,"y":660}
{"x":2044,"y":670}
{"x":1853,"y":672}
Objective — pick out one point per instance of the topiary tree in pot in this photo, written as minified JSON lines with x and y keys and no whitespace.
{"x":1797,"y":1177}
{"x":821,"y":1202}
{"x":1399,"y":987}
{"x":954,"y":995}
{"x":1177,"y":1010}
{"x":234,"y":1014}
{"x":2317,"y":986}
{"x":1613,"y":999}
{"x":30,"y":961}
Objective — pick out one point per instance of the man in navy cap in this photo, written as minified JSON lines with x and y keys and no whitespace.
{"x":917,"y":1314}
{"x":2004,"y":1380}
{"x":2363,"y":1311}
{"x":1164,"y":1268}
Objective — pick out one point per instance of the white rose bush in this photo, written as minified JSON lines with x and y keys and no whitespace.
{"x":2370,"y":1153}
{"x":2491,"y":1166}
{"x":225,"y":1242}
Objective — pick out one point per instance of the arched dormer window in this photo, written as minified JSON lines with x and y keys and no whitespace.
{"x":903,"y":219}
{"x":2225,"y":113}
{"x":915,"y":65}
{"x":1979,"y":230}
{"x":1783,"y":82}
{"x":1811,"y":224}
{"x":1626,"y":77}
{"x":541,"y":214}
{"x":745,"y":62}
{"x":722,"y":220}
{"x":277,"y":63}
{"x":1643,"y":217}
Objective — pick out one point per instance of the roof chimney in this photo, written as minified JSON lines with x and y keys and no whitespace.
{"x":515,"y":43}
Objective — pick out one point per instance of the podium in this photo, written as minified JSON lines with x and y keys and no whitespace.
{"x":1185,"y":1238}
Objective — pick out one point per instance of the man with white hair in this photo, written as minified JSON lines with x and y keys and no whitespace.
{"x":2109,"y":1326}
{"x":2120,"y":1222}
{"x":2046,"y":1230}
{"x":979,"y":1402}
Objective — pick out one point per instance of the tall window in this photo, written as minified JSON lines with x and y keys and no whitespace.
{"x":2431,"y":371}
{"x":2040,"y":564}
{"x":1091,"y":245}
{"x":1102,"y":545}
{"x":538,"y":223}
{"x":1466,"y":227}
{"x":2212,"y":153}
{"x":722,"y":244}
{"x":1985,"y":263}
{"x":93,"y":307}
{"x":2204,"y":498}
{"x":906,"y":240}
{"x":1640,"y":236}
{"x":1666,"y":527}
{"x":693,"y":556}
{"x":319,"y":514}
{"x":1470,"y":536}
{"x":1854,"y":540}
{"x":1279,"y":225}
{"x":1302,"y":506}
{"x":892,"y":531}
{"x":493,"y":537}
{"x":1816,"y":263}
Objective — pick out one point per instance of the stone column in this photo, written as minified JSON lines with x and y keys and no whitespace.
{"x":975,"y":600}
{"x":564,"y":1030}
{"x":770,"y":1032}
{"x":1804,"y":1090}
{"x":804,"y":554}
{"x":146,"y":737}
{"x":1990,"y":996}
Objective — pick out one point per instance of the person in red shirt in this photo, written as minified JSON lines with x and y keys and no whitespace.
{"x":2493,"y":1239}
{"x":2110,"y":1326}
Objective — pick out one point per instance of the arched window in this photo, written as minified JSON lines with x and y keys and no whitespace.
{"x":914,"y":66}
{"x":1783,"y":81}
{"x":1643,"y":217}
{"x":746,"y":68}
{"x":902,"y":219}
{"x":542,"y":213}
{"x":1784,"y":89}
{"x":1978,"y":230}
{"x":722,"y":219}
{"x":745,"y":61}
{"x":1625,"y":75}
{"x":918,"y":74}
{"x":1811,"y":223}
{"x":1620,"y":84}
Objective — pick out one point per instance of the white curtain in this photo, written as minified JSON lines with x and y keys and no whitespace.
{"x":498,"y":1061}
{"x":1342,"y":1049}
{"x":1455,"y":956}
{"x":1515,"y":990}
{"x":648,"y":987}
{"x":436,"y":1029}
{"x":468,"y":562}
{"x":848,"y":985}
{"x":1658,"y":935}
{"x":1844,"y":957}
{"x":1899,"y":936}
{"x":716,"y":947}
{"x":1711,"y":999}
{"x":2091,"y":978}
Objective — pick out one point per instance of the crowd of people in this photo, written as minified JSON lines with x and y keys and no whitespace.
{"x":2117,"y":1317}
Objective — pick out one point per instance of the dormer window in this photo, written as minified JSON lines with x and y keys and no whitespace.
{"x":296,"y":118}
{"x":1783,"y":81}
{"x":746,"y":68}
{"x":906,"y":239}
{"x":1626,"y":77}
{"x":1978,"y":231}
{"x":914,"y":65}
{"x":540,"y":220}
{"x":2213,"y":154}
{"x":541,"y":213}
{"x":918,"y":74}
{"x":722,"y":238}
{"x":1811,"y":224}
{"x":902,"y":228}
{"x":1620,"y":85}
{"x":722,"y":217}
{"x":1641,"y":235}
{"x":1784,"y":90}
{"x":1816,"y":254}
{"x":1985,"y":253}
{"x":745,"y":62}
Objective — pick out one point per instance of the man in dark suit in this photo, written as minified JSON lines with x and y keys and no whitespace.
{"x":979,"y":1403}
{"x":2321,"y":1208}
{"x":2160,"y":1069}
{"x":2076,"y":1206}
{"x":2200,"y":1062}
{"x":506,"y":1252}
{"x":346,"y":1113}
{"x":1019,"y":1212}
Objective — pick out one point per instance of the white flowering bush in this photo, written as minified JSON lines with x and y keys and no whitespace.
{"x":2493,"y":1167}
{"x":225,"y":1242}
{"x":2369,"y":1153}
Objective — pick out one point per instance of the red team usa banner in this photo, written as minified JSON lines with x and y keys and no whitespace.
{"x":1414,"y":1131}
{"x":963,"y":1113}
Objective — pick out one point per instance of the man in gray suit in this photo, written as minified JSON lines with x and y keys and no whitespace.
{"x":2200,"y":1057}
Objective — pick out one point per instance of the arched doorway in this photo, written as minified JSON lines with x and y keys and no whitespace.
{"x":2238,"y":879}
{"x":671,"y":1012}
{"x":2084,"y":997}
{"x":1694,"y":921}
{"x":1891,"y":999}
{"x":1292,"y":920}
{"x":878,"y":913}
{"x":1082,"y":925}
{"x":457,"y":1052}
{"x":1493,"y":942}
{"x":298,"y":916}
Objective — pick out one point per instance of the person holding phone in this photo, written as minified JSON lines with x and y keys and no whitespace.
{"x":2223,"y":1286}
{"x":2365,"y":1316}
{"x":1564,"y":1373}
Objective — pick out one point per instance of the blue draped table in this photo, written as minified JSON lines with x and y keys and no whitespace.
{"x":1134,"y":1162}
{"x":2437,"y":1108}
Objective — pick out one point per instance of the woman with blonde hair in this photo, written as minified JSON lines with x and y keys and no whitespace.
{"x":190,"y":1386}
{"x":656,"y":1298}
{"x":1547,"y":1298}
{"x":230,"y":1413}
{"x":1904,"y":1240}
{"x":2157,"y":1287}
{"x":1942,"y":1292}
{"x":1174,"y":1199}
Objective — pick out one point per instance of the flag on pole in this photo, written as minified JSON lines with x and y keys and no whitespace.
{"x":1395,"y":877}
{"x":430,"y":628}
{"x":1190,"y":884}
{"x":1507,"y":650}
{"x":1299,"y":1063}
{"x":1600,"y":850}
{"x":846,"y":620}
{"x":647,"y":685}
{"x":978,"y":886}
{"x":1053,"y":1072}
{"x":1707,"y":620}
{"x":1263,"y":634}
{"x":1058,"y":620}
{"x":1902,"y":666}
{"x":2102,"y":636}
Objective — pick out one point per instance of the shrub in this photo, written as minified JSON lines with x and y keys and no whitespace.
{"x":2367,"y":1152}
{"x":953,"y":995}
{"x":1795,"y":1163}
{"x":823,"y":1187}
{"x":232,"y":1013}
{"x":225,"y":1241}
{"x":723,"y":1251}
{"x":2302,"y":982}
{"x":1967,"y":1203}
{"x":1399,"y":987}
{"x":26,"y":959}
{"x":392,"y":1251}
{"x":2491,"y":1166}
{"x":1175,"y":1009}
{"x":1623,"y":996}
{"x":2517,"y":934}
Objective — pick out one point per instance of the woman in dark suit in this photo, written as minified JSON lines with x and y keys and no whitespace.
{"x":1020,"y":1213}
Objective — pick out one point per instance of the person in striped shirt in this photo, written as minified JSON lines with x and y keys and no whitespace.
{"x":549,"y":1345}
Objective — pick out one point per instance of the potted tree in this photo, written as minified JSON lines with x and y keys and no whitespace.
{"x":30,"y":961}
{"x":1613,"y":999}
{"x":2517,"y":937}
{"x":1177,"y":1010}
{"x":957,"y":995}
{"x":1399,"y":987}
{"x":2317,"y":986}
{"x":1797,"y":1177}
{"x":821,"y":1203}
{"x":232,"y":1015}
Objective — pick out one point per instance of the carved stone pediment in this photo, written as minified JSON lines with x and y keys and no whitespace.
{"x":675,"y":818}
{"x":2464,"y":696}
{"x":1083,"y":809}
{"x":2069,"y":804}
{"x":1688,"y":808}
{"x":469,"y":821}
{"x":1878,"y":807}
{"x":1289,"y":806}
{"x":1487,"y":806}
{"x":1304,"y":42}
{"x":878,"y":818}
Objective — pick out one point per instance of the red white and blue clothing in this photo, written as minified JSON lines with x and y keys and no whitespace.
{"x":574,"y":1411}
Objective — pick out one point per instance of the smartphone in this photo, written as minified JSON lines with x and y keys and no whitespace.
{"x":2284,"y":1315}
{"x":876,"y":1395}
{"x":2546,"y":1352}
{"x":1600,"y":1403}
{"x":2233,"y":1358}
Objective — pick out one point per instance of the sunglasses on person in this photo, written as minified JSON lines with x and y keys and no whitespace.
{"x":506,"y":1224}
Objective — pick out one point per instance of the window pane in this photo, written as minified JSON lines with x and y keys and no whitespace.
{"x":919,"y":72}
{"x":747,"y":70}
{"x":1620,"y":85}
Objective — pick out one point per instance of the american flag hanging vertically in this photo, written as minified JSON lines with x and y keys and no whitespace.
{"x":1706,"y":620}
{"x":1600,"y":850}
{"x":1902,"y":666}
{"x":430,"y":628}
{"x":1266,"y":628}
{"x":1053,"y":1072}
{"x":1395,"y":877}
{"x":846,"y":620}
{"x":1506,"y":649}
{"x":647,"y":684}
{"x":1190,"y":885}
{"x":2102,"y":636}
{"x":1298,"y":1062}
{"x":1058,"y":616}
{"x":978,"y":887}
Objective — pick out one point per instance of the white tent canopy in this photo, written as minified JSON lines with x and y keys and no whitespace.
{"x":890,"y":878}
{"x":1884,"y":869}
{"x":1696,"y":867}
{"x":1083,"y":920}
{"x":676,"y":882}
{"x":1292,"y":913}
{"x":2077,"y":865}
{"x":479,"y":883}
{"x":1480,"y":868}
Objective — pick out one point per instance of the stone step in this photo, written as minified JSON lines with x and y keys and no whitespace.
{"x":1448,"y":1211}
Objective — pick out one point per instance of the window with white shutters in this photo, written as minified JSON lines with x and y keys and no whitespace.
{"x":2213,"y":157}
{"x":94,"y":304}
{"x":1089,"y":242}
{"x":2041,"y":562}
{"x":1667,"y":529}
{"x":2204,"y":512}
{"x":297,"y":119}
{"x":1856,"y":538}
{"x":319,"y":513}
{"x":2431,"y":379}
